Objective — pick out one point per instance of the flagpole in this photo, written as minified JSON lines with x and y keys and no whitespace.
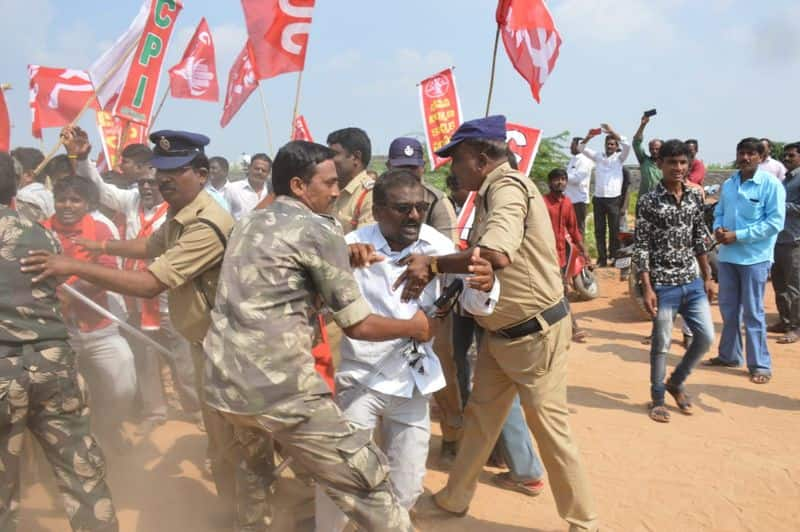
{"x":266,"y":118}
{"x":296,"y":102}
{"x":114,"y":68}
{"x":494,"y":64}
{"x":160,"y":105}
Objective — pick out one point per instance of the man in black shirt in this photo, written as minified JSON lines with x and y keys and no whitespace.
{"x":668,"y":245}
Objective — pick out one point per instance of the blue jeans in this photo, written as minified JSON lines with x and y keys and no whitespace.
{"x":464,"y":331}
{"x":741,"y":298}
{"x":517,"y":448}
{"x":691,"y":302}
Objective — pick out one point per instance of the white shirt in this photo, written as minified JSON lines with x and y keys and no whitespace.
{"x":608,"y":172}
{"x":243,"y":198}
{"x":37,"y":194}
{"x":381,"y":365}
{"x":579,"y":174}
{"x":774,"y":167}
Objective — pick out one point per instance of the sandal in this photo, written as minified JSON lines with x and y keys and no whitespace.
{"x":760,"y":378}
{"x":717,"y":361}
{"x":579,"y":336}
{"x":682,"y":399}
{"x":789,"y":338}
{"x":532,"y":488}
{"x":659,"y":413}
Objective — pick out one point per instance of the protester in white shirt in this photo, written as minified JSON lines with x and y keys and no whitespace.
{"x":244,"y":195}
{"x":218,"y":169}
{"x":579,"y":175}
{"x":145,"y":211}
{"x":770,"y":165}
{"x":387,"y":385}
{"x":608,"y":180}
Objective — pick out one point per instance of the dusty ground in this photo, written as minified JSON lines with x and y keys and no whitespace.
{"x":734,"y":465}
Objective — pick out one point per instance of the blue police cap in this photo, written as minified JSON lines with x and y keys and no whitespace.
{"x":489,"y":128}
{"x":174,"y":149}
{"x":406,"y":151}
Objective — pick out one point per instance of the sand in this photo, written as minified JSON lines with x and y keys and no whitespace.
{"x":734,"y":465}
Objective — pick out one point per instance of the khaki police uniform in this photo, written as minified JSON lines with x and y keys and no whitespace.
{"x":353,"y":207}
{"x":511,"y":218}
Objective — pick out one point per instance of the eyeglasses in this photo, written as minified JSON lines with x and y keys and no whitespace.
{"x":406,"y":208}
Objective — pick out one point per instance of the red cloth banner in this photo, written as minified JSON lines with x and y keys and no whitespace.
{"x":441,"y":112}
{"x":111,"y":128}
{"x":524,"y":142}
{"x":300,"y":129}
{"x":136,"y":99}
{"x":5,"y":124}
{"x":195,"y":77}
{"x":279,"y":31}
{"x":57,"y":95}
{"x":530,"y":38}
{"x":242,"y":81}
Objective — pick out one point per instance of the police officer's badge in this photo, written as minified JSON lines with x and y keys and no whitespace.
{"x":408,"y":151}
{"x":164,"y":144}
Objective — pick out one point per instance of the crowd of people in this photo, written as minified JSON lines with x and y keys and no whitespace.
{"x":313,"y":309}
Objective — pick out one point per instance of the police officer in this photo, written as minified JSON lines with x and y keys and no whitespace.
{"x":406,"y":152}
{"x":40,"y":388}
{"x":353,"y":207}
{"x":187,"y":251}
{"x":282,"y":263}
{"x":527,"y":337}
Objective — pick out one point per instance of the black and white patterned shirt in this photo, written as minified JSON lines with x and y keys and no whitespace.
{"x":669,"y":235}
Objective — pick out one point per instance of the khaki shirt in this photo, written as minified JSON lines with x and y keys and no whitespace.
{"x":282,"y":263}
{"x":346,"y":209}
{"x":511,"y":218}
{"x":190,"y":247}
{"x":441,"y":215}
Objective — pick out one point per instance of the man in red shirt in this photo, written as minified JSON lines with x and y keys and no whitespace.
{"x":697,"y":170}
{"x":565,"y":223}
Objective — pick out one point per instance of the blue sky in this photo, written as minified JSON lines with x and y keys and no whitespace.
{"x":717,"y":70}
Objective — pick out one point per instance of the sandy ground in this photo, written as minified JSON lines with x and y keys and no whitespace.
{"x":732,"y":466}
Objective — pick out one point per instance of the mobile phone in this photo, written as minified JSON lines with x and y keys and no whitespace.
{"x":595,"y":131}
{"x":651,"y":112}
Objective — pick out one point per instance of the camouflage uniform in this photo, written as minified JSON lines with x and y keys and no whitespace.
{"x":40,"y":388}
{"x":281,"y":263}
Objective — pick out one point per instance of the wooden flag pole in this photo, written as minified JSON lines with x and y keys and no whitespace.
{"x":266,"y":118}
{"x":494,"y":64}
{"x":88,"y":104}
{"x":160,"y":105}
{"x":296,"y":102}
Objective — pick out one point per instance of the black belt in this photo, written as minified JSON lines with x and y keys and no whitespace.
{"x":551,"y":316}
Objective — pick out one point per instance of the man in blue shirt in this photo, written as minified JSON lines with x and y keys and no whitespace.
{"x":747,"y":220}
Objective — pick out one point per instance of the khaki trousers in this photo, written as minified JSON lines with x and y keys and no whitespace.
{"x":448,"y":398}
{"x":535,"y":366}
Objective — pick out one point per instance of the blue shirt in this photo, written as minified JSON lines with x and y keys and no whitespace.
{"x":754,"y":209}
{"x":219,"y":198}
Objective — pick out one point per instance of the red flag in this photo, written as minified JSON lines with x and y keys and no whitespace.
{"x":531,"y":39}
{"x":300,"y":130}
{"x":278,"y":30}
{"x":5,"y":124}
{"x":195,"y":76}
{"x":58,"y":95}
{"x":441,"y":112}
{"x":523,"y":141}
{"x":241,"y":83}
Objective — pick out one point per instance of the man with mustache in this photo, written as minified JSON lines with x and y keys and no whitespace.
{"x":187,"y":251}
{"x":145,"y":211}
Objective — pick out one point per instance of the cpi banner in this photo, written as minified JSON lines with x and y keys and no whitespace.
{"x":441,"y":112}
{"x":111,"y":129}
{"x":524,"y":142}
{"x":300,"y":130}
{"x":135,"y":102}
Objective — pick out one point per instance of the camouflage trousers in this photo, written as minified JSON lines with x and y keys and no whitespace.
{"x":42,"y":391}
{"x":350,"y":468}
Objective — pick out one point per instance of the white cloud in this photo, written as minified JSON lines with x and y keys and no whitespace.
{"x":346,"y":60}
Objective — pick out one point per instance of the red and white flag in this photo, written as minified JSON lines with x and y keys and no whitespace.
{"x":5,"y":124}
{"x":300,"y":129}
{"x":279,"y":31}
{"x":523,"y":141}
{"x":242,"y":81}
{"x":58,"y":95}
{"x":530,"y":38}
{"x":195,"y":76}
